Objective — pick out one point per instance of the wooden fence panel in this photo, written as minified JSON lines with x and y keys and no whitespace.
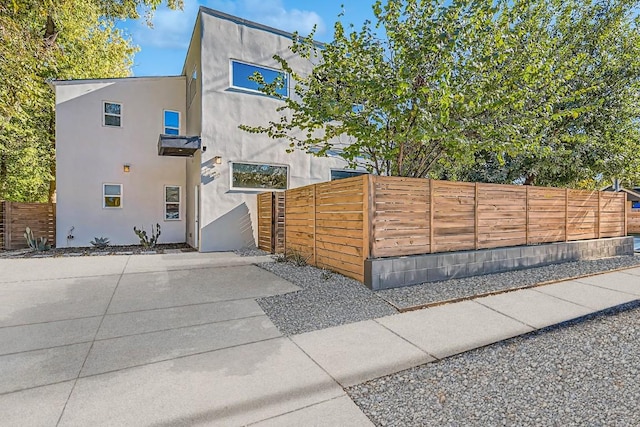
{"x":582,"y":215}
{"x":612,"y":215}
{"x":265,"y":221}
{"x":633,"y":221}
{"x":300,"y":222}
{"x":339,"y":226}
{"x":40,"y":217}
{"x":401,"y":220}
{"x":453,"y":216}
{"x":278,"y":222}
{"x":547,"y":215}
{"x":2,"y":224}
{"x":501,"y":216}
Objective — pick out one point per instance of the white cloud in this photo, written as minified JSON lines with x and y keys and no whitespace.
{"x":172,"y":28}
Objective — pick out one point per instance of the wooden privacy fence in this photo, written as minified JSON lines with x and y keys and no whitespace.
{"x":339,"y":224}
{"x":16,"y":217}
{"x":633,"y":221}
{"x":271,"y":222}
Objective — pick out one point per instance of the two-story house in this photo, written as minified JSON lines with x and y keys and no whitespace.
{"x":168,"y":150}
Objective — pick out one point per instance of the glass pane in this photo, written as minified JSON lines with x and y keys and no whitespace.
{"x":173,"y":211}
{"x":112,"y":190}
{"x":242,"y":72}
{"x":336,"y":174}
{"x":172,"y":194}
{"x":112,"y":202}
{"x":111,"y":120}
{"x":172,"y":119}
{"x":169,"y":131}
{"x":111,"y":108}
{"x":259,"y":176}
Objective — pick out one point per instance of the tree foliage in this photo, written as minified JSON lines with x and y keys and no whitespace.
{"x":534,"y":91}
{"x":44,"y":40}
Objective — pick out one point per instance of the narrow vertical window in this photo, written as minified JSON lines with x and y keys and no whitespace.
{"x":112,"y":196}
{"x":171,"y":122}
{"x":172,"y":203}
{"x":112,"y":114}
{"x":193,"y":82}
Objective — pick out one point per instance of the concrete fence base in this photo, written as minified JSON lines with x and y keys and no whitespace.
{"x":384,"y":273}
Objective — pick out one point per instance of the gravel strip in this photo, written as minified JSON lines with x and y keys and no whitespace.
{"x":427,"y":293}
{"x":327,"y":299}
{"x":580,"y":373}
{"x":250,"y":252}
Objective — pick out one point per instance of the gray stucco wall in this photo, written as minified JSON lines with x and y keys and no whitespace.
{"x":228,"y":218}
{"x":89,"y":154}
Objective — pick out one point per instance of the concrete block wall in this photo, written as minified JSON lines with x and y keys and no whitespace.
{"x":393,"y":272}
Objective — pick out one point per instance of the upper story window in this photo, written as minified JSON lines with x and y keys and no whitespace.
{"x":240,"y":73}
{"x":171,"y":122}
{"x":193,"y":85}
{"x":344,"y":173}
{"x":112,"y":114}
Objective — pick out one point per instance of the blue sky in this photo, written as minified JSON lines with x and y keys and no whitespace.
{"x":164,"y":46}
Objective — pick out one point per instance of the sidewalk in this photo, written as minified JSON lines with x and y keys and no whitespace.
{"x":180,"y":341}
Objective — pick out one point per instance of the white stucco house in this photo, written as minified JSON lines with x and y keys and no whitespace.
{"x":200,"y":179}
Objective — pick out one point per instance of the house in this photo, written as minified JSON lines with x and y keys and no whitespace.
{"x":145,"y":150}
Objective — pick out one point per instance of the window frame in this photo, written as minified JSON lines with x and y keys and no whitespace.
{"x":165,"y":202}
{"x":280,"y":165}
{"x":105,"y":114}
{"x":354,"y":172}
{"x":164,"y":124}
{"x":254,"y":91}
{"x":104,"y":195}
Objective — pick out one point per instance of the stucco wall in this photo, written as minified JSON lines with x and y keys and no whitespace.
{"x":90,"y":154}
{"x":228,"y":217}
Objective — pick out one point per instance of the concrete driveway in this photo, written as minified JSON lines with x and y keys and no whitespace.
{"x":153,"y":340}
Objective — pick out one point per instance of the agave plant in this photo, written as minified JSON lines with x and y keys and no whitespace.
{"x":100,"y":242}
{"x":36,"y":244}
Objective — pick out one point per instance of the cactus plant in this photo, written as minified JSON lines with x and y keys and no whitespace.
{"x":146,"y":241}
{"x":36,"y":244}
{"x":100,"y":242}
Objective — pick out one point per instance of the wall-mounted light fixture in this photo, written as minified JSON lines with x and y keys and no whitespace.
{"x":126,"y":168}
{"x":217,"y":160}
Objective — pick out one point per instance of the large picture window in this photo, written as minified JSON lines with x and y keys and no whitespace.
{"x":111,"y":196}
{"x":171,"y":122}
{"x":259,"y":176}
{"x":240,"y":73}
{"x":172,"y":200}
{"x":344,"y":173}
{"x":112,"y":114}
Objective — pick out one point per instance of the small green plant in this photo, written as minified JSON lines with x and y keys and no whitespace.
{"x":100,"y":242}
{"x":296,"y":257}
{"x":326,"y":274}
{"x":36,"y":244}
{"x":146,"y":241}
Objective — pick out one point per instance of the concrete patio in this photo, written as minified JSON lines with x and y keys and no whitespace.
{"x":179,"y":340}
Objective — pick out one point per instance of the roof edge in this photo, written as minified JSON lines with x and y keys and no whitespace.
{"x":112,"y":79}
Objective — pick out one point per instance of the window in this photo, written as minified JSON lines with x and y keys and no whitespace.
{"x":171,"y":203}
{"x":259,"y":176}
{"x":193,"y":81}
{"x":635,"y":205}
{"x":112,"y":195}
{"x":171,"y":122}
{"x":341,"y":174}
{"x":112,"y":116}
{"x":240,"y":73}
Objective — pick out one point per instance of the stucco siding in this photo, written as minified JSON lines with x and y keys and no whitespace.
{"x":90,"y":154}
{"x":228,"y":217}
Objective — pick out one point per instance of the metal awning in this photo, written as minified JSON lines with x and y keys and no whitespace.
{"x":178,"y":145}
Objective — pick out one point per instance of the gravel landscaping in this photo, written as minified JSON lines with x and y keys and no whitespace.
{"x":583,"y":372}
{"x":327,"y":299}
{"x":161,"y":248}
{"x":429,"y":293}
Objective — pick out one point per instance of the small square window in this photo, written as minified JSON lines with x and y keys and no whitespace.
{"x":172,"y":203}
{"x":112,"y":114}
{"x":171,"y":122}
{"x":112,"y":195}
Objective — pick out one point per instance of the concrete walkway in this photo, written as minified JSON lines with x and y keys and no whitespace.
{"x":179,"y":340}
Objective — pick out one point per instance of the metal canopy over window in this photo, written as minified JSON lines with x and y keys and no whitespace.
{"x":178,"y":145}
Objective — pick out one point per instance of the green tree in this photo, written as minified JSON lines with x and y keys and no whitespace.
{"x":469,"y":89}
{"x":43,"y":40}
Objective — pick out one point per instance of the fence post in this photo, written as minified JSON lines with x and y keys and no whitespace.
{"x":274,"y":223}
{"x":475,"y":217}
{"x":526,"y":221}
{"x":566,"y":214}
{"x":315,"y":207}
{"x":432,"y":244}
{"x":7,"y":226}
{"x":367,"y":214}
{"x":598,"y":221}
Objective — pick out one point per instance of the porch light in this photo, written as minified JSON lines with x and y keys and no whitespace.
{"x":126,"y":168}
{"x":217,"y":160}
